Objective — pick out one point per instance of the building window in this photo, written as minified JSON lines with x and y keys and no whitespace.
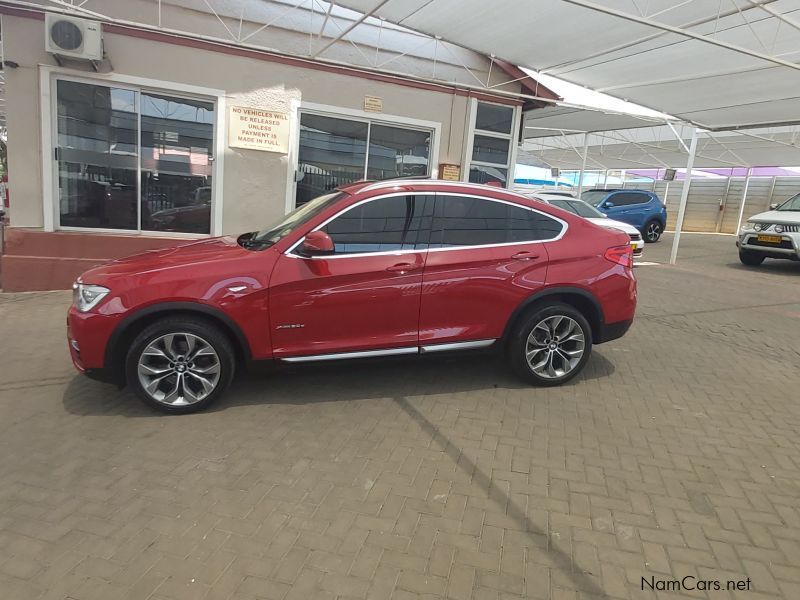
{"x":492,"y":133}
{"x":335,"y":151}
{"x":133,"y":160}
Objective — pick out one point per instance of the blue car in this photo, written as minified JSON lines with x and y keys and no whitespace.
{"x":642,"y":209}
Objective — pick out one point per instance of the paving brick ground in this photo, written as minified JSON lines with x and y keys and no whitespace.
{"x":676,"y":453}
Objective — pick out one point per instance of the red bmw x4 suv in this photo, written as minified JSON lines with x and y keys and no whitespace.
{"x":372,"y":269}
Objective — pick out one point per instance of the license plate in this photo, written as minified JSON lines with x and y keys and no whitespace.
{"x":770,"y":239}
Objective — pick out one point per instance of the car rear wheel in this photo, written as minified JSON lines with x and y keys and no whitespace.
{"x":751,"y":259}
{"x":551,"y":345}
{"x":652,"y":231}
{"x":180,"y":365}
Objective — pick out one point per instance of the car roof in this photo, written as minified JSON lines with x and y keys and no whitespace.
{"x":609,"y":190}
{"x":548,"y":197}
{"x":429,"y":185}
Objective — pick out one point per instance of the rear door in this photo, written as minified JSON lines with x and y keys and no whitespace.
{"x":485,"y":257}
{"x":629,"y":207}
{"x":364,"y":297}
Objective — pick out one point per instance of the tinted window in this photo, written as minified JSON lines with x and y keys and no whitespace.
{"x":490,"y":149}
{"x":628,"y":198}
{"x":470,"y":221}
{"x":491,"y":117}
{"x":383,"y":225}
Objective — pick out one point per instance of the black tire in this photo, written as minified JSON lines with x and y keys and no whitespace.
{"x":652,"y":231}
{"x":519,"y":346}
{"x":196,"y":329}
{"x":751,"y":259}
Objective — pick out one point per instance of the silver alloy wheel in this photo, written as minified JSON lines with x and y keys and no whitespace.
{"x":653,"y":232}
{"x":178,"y":369}
{"x":555,"y":346}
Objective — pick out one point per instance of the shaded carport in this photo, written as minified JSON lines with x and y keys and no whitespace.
{"x":709,"y":65}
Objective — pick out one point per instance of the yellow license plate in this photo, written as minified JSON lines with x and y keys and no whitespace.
{"x":770,"y":239}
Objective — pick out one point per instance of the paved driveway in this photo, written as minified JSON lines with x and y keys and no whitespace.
{"x":676,"y":453}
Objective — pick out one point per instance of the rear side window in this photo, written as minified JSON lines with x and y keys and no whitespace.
{"x":382,"y":225}
{"x":472,"y":221}
{"x":628,"y":198}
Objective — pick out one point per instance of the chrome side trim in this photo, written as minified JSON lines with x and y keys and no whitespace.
{"x":456,"y":346}
{"x":346,"y":355}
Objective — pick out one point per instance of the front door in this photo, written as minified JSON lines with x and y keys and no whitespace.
{"x":366,"y":296}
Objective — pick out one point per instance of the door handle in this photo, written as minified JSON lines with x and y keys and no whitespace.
{"x":402,"y":268}
{"x":525,"y":255}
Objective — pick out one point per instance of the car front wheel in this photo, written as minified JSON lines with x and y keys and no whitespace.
{"x":551,"y":345}
{"x":180,"y":364}
{"x":652,"y":231}
{"x":751,"y":259}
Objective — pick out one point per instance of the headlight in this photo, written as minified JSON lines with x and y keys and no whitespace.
{"x":778,"y":228}
{"x":85,"y":297}
{"x":758,"y":226}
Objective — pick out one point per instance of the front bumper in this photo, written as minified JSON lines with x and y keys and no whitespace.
{"x":788,"y":247}
{"x":87,"y":337}
{"x":638,"y":248}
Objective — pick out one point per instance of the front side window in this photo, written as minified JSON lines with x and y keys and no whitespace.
{"x":133,"y":160}
{"x":594,"y":197}
{"x":382,"y":225}
{"x":473,"y":221}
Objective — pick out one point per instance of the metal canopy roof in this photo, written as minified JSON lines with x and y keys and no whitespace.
{"x":719,"y":64}
{"x":660,"y":147}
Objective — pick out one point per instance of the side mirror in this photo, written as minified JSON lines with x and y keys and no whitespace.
{"x":608,"y":204}
{"x":773,"y":206}
{"x":317,"y":243}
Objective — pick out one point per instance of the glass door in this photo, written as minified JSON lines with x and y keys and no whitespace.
{"x":332,"y":153}
{"x":177,"y":157}
{"x":132,"y":159}
{"x":335,"y":151}
{"x":97,"y":152}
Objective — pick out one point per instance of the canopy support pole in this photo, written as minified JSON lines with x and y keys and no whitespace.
{"x":605,"y":179}
{"x":583,"y":163}
{"x":684,"y":197}
{"x":744,"y":199}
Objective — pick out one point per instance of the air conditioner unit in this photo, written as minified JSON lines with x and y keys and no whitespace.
{"x":71,"y":37}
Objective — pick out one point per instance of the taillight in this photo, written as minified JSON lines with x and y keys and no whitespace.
{"x":622,"y":255}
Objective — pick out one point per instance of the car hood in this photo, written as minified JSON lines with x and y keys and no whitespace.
{"x":204,"y":251}
{"x":604,"y":222}
{"x":777,"y":216}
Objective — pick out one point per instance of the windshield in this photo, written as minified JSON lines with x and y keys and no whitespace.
{"x":792,"y":204}
{"x":302,"y":214}
{"x":563,"y":204}
{"x":585,"y":210}
{"x":594,"y":197}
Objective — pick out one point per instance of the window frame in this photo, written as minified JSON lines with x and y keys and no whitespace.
{"x":613,"y":195}
{"x":48,"y":82}
{"x":348,"y":114}
{"x":511,"y":136}
{"x":564,"y":224}
{"x":290,"y":251}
